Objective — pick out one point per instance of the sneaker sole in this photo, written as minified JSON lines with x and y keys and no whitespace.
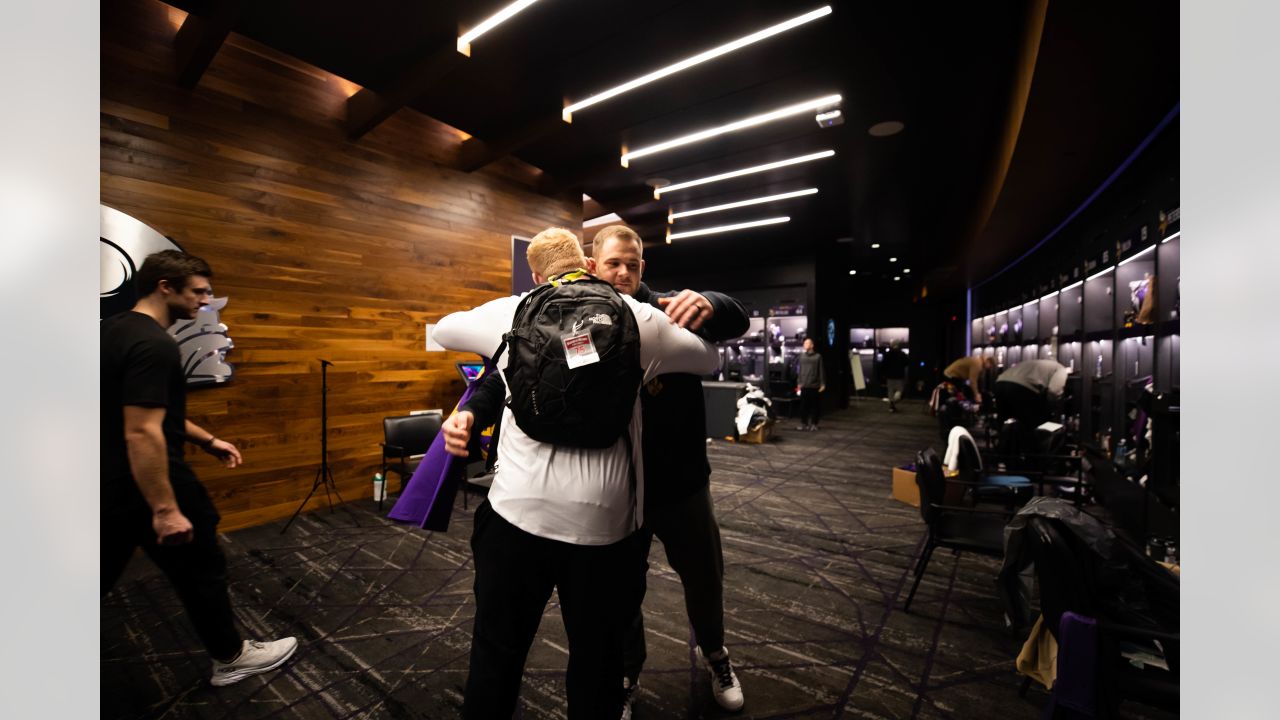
{"x":232,"y":678}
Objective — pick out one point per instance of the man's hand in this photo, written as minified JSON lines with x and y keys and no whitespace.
{"x":457,"y":432}
{"x":687,"y":309}
{"x":225,"y":451}
{"x":172,"y":527}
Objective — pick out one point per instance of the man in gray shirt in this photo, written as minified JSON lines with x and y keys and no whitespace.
{"x":810,"y":380}
{"x":1026,"y":392}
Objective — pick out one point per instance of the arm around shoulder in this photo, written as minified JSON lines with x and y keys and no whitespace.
{"x":478,"y":330}
{"x":668,"y":348}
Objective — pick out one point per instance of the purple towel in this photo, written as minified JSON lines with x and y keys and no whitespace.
{"x":427,"y":499}
{"x":1075,"y":687}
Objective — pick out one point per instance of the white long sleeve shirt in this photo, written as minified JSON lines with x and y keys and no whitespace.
{"x":575,"y":495}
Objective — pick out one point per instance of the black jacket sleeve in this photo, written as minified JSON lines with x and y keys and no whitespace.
{"x":728,"y":321}
{"x":486,"y":402}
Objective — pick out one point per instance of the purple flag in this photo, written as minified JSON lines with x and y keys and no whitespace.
{"x":427,"y":499}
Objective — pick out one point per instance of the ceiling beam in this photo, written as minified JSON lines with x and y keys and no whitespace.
{"x":367,"y":109}
{"x":476,"y":153}
{"x":200,"y":38}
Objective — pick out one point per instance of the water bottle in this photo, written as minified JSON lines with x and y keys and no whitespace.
{"x":379,"y":487}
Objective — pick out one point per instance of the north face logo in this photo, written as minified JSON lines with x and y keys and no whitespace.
{"x":601,"y":319}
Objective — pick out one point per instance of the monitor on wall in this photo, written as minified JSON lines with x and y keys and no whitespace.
{"x":469,"y":370}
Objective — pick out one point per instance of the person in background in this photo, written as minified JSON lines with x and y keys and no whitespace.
{"x":893,"y":367}
{"x":1027,"y":393}
{"x":966,"y":373}
{"x":811,"y":380}
{"x":150,"y":496}
{"x":557,"y":516}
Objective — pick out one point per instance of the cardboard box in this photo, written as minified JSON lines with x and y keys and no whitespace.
{"x":905,"y":490}
{"x":904,"y":486}
{"x":760,"y":434}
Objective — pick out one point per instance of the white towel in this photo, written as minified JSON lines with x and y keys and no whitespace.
{"x":951,"y":460}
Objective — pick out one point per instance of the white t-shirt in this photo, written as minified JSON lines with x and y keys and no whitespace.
{"x":575,"y":495}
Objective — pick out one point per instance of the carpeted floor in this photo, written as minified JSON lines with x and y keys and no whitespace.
{"x":817,"y":559}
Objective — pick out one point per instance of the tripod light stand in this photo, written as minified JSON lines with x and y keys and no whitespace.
{"x":323,"y":476}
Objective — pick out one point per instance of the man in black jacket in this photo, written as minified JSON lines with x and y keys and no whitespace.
{"x":677,"y":474}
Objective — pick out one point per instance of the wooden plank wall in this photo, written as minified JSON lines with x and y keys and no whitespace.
{"x":325,"y":248}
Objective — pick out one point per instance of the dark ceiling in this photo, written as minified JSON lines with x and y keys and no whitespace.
{"x":1076,"y":86}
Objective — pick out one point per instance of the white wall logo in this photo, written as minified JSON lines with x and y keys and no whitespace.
{"x":124,"y":243}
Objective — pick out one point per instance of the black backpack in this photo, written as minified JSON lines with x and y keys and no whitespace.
{"x":587,"y":406}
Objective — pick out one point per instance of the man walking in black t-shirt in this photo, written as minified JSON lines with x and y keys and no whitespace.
{"x":150,"y":497}
{"x":893,"y":367}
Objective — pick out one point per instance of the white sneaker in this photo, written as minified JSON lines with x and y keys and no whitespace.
{"x":255,"y":657}
{"x":724,"y":682}
{"x":628,"y":690}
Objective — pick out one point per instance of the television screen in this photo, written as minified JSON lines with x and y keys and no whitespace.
{"x":469,"y":371}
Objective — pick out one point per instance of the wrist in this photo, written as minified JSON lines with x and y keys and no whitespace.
{"x":208,"y":443}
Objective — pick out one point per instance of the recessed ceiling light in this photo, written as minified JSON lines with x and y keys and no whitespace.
{"x":897,"y":277}
{"x":906,"y":271}
{"x":893,"y":259}
{"x":875,"y":246}
{"x":853,"y":272}
{"x":672,"y":216}
{"x":657,"y":182}
{"x":886,"y":128}
{"x":659,"y":191}
{"x":743,"y":124}
{"x":726,"y":228}
{"x":464,"y":41}
{"x":567,"y":113}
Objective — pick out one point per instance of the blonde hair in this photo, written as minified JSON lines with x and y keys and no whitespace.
{"x":554,"y":251}
{"x":619,"y":231}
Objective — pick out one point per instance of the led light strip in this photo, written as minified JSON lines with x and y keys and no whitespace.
{"x":1075,"y":284}
{"x":672,"y":216}
{"x":1052,"y":294}
{"x":743,"y":124}
{"x":464,"y":42}
{"x":659,"y":191}
{"x":611,"y":217}
{"x":567,"y":113}
{"x":1099,"y":274}
{"x":1171,"y":237}
{"x":1135,"y":257}
{"x":725,"y":228}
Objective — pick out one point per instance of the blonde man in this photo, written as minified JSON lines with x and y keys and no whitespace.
{"x":552,"y":252}
{"x":558,"y":517}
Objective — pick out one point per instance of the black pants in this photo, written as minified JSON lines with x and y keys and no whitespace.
{"x":691,"y":538}
{"x":197,"y":570}
{"x":810,"y":408}
{"x":1029,"y":407}
{"x":599,"y":589}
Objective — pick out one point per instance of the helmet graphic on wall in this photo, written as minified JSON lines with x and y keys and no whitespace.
{"x":124,"y":242}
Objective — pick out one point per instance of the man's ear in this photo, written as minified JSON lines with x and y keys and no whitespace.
{"x":641,"y":267}
{"x":537,"y":279}
{"x":591,"y":265}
